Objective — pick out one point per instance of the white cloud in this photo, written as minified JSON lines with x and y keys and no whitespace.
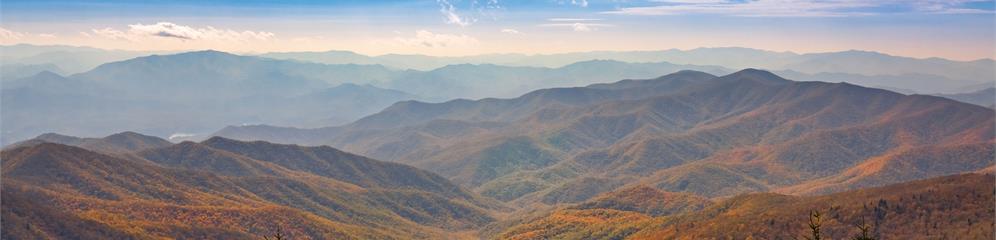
{"x":8,"y":35}
{"x":510,"y":31}
{"x":137,"y":32}
{"x":46,"y":35}
{"x":582,"y":3}
{"x":797,"y":8}
{"x":424,"y":38}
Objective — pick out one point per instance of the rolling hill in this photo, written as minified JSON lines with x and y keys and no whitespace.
{"x":221,"y":188}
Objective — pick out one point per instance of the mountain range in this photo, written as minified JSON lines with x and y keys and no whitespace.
{"x":133,"y":186}
{"x":693,"y":132}
{"x":160,"y":94}
{"x":929,"y":75}
{"x":862,"y":67}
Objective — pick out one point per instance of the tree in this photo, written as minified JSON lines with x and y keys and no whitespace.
{"x":815,"y":222}
{"x":864,"y":231}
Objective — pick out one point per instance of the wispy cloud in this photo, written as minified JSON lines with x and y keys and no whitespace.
{"x":800,"y":8}
{"x":450,"y":14}
{"x":7,"y":35}
{"x":137,"y":32}
{"x":510,"y":31}
{"x":576,"y":24}
{"x":424,"y":38}
{"x":573,"y":19}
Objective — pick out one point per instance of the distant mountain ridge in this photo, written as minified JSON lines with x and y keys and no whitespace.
{"x":158,"y":94}
{"x":929,"y":74}
{"x":177,"y":84}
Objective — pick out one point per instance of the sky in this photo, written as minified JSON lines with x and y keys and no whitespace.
{"x":953,"y":29}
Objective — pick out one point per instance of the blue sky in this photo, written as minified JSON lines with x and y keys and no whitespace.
{"x":956,"y":29}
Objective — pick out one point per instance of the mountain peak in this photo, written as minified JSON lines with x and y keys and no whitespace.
{"x":688,"y":74}
{"x":127,"y":134}
{"x":133,"y":141}
{"x":757,"y":75}
{"x":219,"y":140}
{"x":55,"y":137}
{"x":46,"y":74}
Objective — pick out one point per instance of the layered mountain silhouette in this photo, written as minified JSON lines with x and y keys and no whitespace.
{"x":161,"y":94}
{"x":685,"y":132}
{"x":252,"y":89}
{"x":846,"y":62}
{"x":222,"y":188}
{"x":861,"y":67}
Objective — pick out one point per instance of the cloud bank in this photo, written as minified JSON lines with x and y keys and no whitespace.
{"x":168,"y":30}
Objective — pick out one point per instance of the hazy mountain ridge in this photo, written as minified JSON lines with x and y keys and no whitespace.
{"x":212,"y":80}
{"x":158,"y":94}
{"x":66,"y":59}
{"x":862,"y":67}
